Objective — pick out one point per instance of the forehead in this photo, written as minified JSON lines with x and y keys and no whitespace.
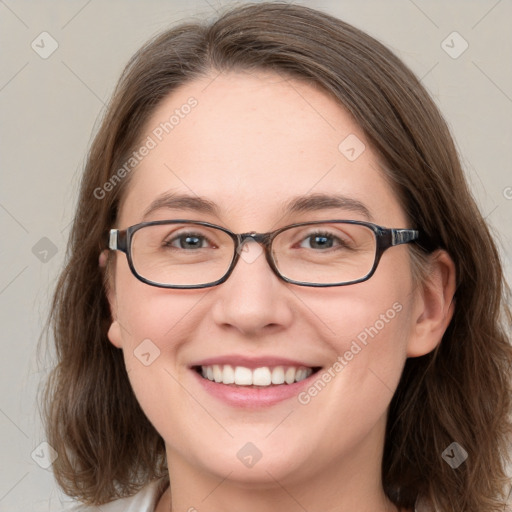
{"x":251,"y":143}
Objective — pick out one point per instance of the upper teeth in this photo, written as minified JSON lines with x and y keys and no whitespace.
{"x":264,"y":376}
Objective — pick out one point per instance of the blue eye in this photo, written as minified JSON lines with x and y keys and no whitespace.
{"x":187,"y":241}
{"x":321,"y":240}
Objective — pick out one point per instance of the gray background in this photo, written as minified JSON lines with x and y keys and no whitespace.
{"x":50,"y":108}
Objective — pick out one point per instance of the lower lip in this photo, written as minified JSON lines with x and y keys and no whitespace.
{"x":253,"y":397}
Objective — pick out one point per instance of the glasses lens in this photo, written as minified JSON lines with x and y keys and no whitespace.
{"x":327,"y":253}
{"x":181,"y":254}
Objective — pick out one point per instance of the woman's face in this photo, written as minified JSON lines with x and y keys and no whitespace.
{"x":251,"y":143}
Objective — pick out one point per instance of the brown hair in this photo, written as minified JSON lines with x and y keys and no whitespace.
{"x":459,"y":392}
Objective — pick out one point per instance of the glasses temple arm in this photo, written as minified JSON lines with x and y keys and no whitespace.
{"x":117,"y":240}
{"x":113,"y":239}
{"x":404,"y":236}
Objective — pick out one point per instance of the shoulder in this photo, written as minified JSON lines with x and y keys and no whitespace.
{"x":144,"y":501}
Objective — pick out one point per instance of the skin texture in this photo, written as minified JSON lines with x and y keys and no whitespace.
{"x":252,"y":142}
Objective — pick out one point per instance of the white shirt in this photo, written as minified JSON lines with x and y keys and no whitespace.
{"x":145,"y":500}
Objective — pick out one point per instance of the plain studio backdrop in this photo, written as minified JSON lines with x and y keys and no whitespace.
{"x":60,"y":61}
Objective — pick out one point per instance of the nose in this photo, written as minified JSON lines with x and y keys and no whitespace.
{"x":253,"y":300}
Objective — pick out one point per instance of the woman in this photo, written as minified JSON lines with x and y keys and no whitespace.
{"x":309,"y":312}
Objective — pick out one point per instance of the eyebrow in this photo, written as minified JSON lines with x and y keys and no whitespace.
{"x":319,"y":201}
{"x":298,"y":204}
{"x":169,"y":200}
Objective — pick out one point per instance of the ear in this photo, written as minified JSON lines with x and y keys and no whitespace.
{"x":434,"y":305}
{"x":114,"y":331}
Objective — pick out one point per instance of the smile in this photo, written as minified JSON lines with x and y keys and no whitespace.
{"x":263,"y":376}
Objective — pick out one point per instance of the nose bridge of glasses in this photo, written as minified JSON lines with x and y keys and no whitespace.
{"x":244,"y":250}
{"x":261,"y":238}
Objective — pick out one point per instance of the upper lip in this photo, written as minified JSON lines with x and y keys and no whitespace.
{"x":252,"y":362}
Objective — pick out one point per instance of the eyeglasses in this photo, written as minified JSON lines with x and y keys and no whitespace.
{"x":195,"y":254}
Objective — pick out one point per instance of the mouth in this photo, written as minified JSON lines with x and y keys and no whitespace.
{"x":247,"y":382}
{"x":261,"y":377}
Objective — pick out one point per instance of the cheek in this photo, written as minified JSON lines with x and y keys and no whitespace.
{"x":371,"y":345}
{"x":367,"y":317}
{"x":370,"y":324}
{"x":376,"y":328}
{"x":148,"y":312}
{"x":154,"y":327}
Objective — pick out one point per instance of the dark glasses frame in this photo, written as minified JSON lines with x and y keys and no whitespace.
{"x":120,"y":240}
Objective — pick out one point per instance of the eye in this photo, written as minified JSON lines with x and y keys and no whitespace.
{"x":322,"y":240}
{"x":318,"y":240}
{"x":188,"y":241}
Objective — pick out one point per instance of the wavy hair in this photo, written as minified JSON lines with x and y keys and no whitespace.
{"x":459,"y":392}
